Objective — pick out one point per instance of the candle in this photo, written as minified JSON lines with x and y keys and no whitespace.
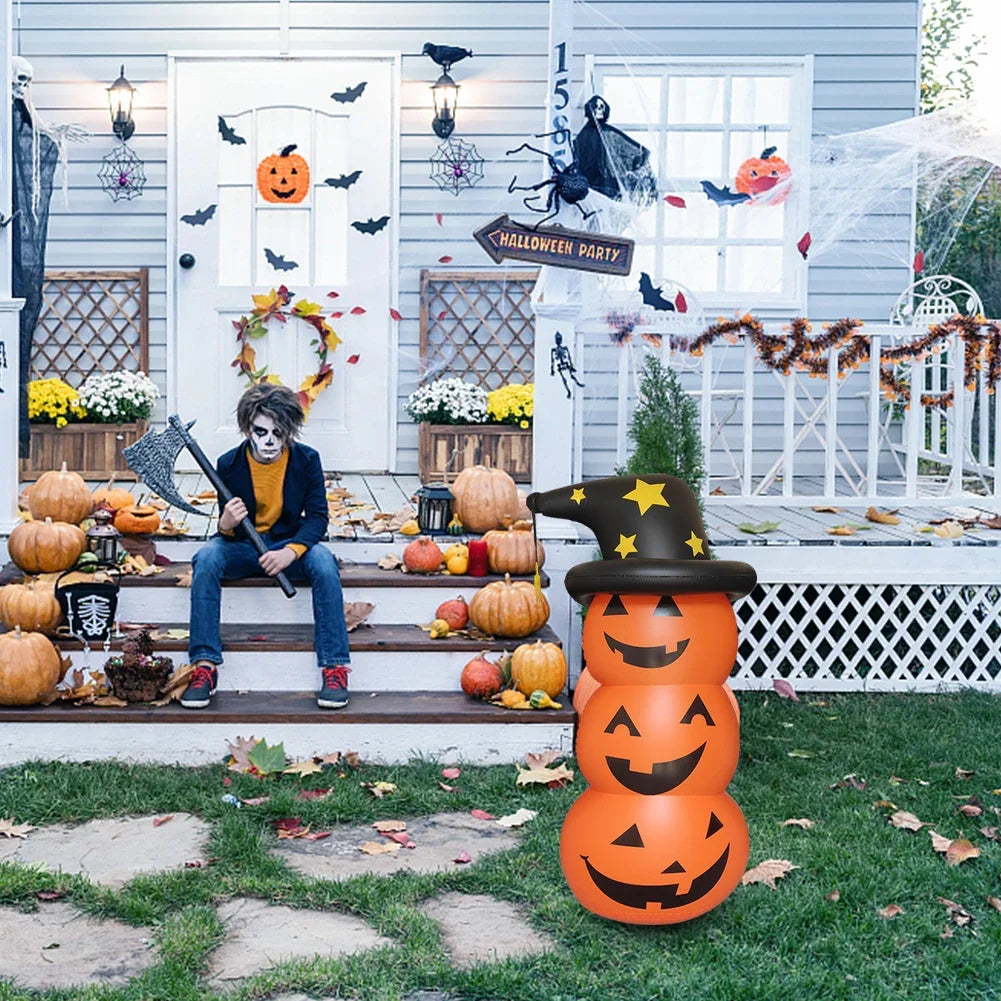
{"x":477,"y":558}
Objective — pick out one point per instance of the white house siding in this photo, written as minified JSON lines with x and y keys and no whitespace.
{"x":865,"y":71}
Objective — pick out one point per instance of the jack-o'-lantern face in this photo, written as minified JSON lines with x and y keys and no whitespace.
{"x":767,"y":175}
{"x":283,"y":177}
{"x":651,"y":639}
{"x":681,"y":739}
{"x":653,"y":860}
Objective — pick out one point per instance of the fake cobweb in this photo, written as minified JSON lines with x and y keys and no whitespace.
{"x":456,"y":165}
{"x":122,"y":174}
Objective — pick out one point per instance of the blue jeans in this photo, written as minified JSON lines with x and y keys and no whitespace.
{"x":221,"y":559}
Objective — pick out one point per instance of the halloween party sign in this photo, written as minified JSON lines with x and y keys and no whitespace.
{"x":655,"y":839}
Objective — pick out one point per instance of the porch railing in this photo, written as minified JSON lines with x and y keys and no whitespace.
{"x":769,"y":436}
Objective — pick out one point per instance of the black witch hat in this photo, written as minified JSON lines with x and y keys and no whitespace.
{"x":651,"y":536}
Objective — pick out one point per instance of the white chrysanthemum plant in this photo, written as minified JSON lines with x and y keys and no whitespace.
{"x":448,"y":401}
{"x":118,"y":397}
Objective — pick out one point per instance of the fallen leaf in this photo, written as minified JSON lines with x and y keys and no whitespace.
{"x":395,"y":314}
{"x":442,"y":315}
{"x":256,"y":800}
{"x":991,"y":833}
{"x":971,"y":808}
{"x":11,"y":830}
{"x":541,"y":759}
{"x":799,"y":754}
{"x":949,"y":530}
{"x":438,"y":218}
{"x":962,"y":773}
{"x":961,"y":850}
{"x":675,"y":201}
{"x":760,"y":529}
{"x":389,"y":826}
{"x":994,"y":521}
{"x":957,"y":913}
{"x":518,"y":818}
{"x":333,"y":295}
{"x":882,"y":517}
{"x":482,"y":815}
{"x":444,"y":259}
{"x":803,"y":822}
{"x":919,"y":262}
{"x":157,"y":821}
{"x":884,"y":804}
{"x":834,"y":896}
{"x":379,"y":789}
{"x":184,"y":579}
{"x":784,"y":690}
{"x":356,"y":612}
{"x":315,"y":835}
{"x":850,"y":780}
{"x":827,"y":509}
{"x":353,"y":359}
{"x":948,"y":933}
{"x":380,"y":847}
{"x":767,"y":872}
{"x":462,"y":858}
{"x":803,"y":244}
{"x":530,"y":776}
{"x":286,"y":823}
{"x":890,"y":911}
{"x":938,"y":843}
{"x":389,"y":562}
{"x":446,"y":788}
{"x":56,"y":894}
{"x":227,"y":781}
{"x":906,"y":821}
{"x":994,"y":902}
{"x":896,"y":780}
{"x":451,"y":773}
{"x":358,"y":310}
{"x":302,"y":768}
{"x":311,"y":794}
{"x":200,"y":863}
{"x":841,"y":530}
{"x":401,"y":838}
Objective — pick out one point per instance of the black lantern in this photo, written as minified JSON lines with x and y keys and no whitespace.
{"x":102,"y":538}
{"x":434,"y":508}
{"x":120,"y":95}
{"x":446,"y":96}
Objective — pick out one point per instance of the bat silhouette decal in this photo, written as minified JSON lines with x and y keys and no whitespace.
{"x":229,"y":134}
{"x":723,"y":196}
{"x":278,"y":262}
{"x":344,"y":181}
{"x":350,"y":95}
{"x":652,"y":295}
{"x":200,"y":217}
{"x":372,"y":226}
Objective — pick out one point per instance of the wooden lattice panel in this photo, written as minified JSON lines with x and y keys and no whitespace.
{"x":478,"y":325}
{"x":91,"y":321}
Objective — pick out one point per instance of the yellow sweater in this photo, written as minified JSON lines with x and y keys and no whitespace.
{"x":268,"y":480}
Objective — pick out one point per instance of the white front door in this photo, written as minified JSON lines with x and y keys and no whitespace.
{"x":320,"y":219}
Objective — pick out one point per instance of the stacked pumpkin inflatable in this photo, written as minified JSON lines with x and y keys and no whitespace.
{"x":655,"y":839}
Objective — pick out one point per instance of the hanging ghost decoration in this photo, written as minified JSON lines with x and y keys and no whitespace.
{"x":614,"y":164}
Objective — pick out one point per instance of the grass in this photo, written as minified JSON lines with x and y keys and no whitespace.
{"x":788,"y":943}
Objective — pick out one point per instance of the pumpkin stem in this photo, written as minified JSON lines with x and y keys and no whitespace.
{"x":63,"y":469}
{"x":287,"y":151}
{"x":767,"y":154}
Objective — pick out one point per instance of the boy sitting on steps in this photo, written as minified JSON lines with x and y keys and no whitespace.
{"x":279,"y":482}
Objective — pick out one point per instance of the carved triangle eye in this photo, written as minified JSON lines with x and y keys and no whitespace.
{"x":667,"y":606}
{"x":673,"y":867}
{"x":621,"y":718}
{"x":698,"y":708}
{"x":615,"y":606}
{"x":630,"y":838}
{"x":715,"y":824}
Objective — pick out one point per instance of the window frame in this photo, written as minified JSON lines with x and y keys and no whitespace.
{"x":799,"y":69}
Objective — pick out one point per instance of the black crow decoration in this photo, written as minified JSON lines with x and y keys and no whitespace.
{"x":445,"y":55}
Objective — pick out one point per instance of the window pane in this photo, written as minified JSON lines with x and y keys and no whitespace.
{"x":691,"y":266}
{"x":756,"y":222}
{"x":632,"y":98}
{"x":695,"y":99}
{"x":700,"y":217}
{"x":284,"y":230}
{"x":745,"y":145}
{"x":759,"y":100}
{"x":755,"y":270}
{"x":696,"y":155}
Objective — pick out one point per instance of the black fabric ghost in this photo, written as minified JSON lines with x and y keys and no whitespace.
{"x":614,"y":164}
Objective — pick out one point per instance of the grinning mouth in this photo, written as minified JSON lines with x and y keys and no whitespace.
{"x":282,"y":194}
{"x":663,"y":777}
{"x":646,"y":656}
{"x":762,"y":184}
{"x":639,"y":895}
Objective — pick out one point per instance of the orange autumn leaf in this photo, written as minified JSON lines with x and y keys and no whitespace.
{"x":767,"y":872}
{"x":882,"y":517}
{"x":890,"y":911}
{"x":961,"y":850}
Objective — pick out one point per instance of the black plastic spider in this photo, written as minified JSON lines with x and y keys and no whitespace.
{"x":568,"y":185}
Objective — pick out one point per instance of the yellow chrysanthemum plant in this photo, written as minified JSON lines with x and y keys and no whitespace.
{"x":52,"y":401}
{"x":512,"y":404}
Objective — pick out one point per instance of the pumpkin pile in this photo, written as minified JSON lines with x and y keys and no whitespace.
{"x":526,"y":679}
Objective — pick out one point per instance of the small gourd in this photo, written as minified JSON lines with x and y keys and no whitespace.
{"x":440,"y":629}
{"x":410,"y":527}
{"x":541,"y":700}
{"x":455,"y":527}
{"x":457,"y":559}
{"x":511,"y":698}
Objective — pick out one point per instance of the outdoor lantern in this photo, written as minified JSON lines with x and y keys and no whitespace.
{"x":446,"y":97}
{"x":434,"y":508}
{"x":120,"y":95}
{"x":102,"y":538}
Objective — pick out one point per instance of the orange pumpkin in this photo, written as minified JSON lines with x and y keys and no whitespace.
{"x":29,"y":668}
{"x":31,"y":607}
{"x":61,"y":496}
{"x":652,"y":740}
{"x":653,"y":860}
{"x":111,"y":497}
{"x":485,"y":498}
{"x":455,"y":612}
{"x":513,"y":550}
{"x":481,"y":678}
{"x":137,"y":519}
{"x":766,"y":175}
{"x":586,"y":687}
{"x":283,"y":177}
{"x":539,"y":665}
{"x":46,"y":546}
{"x":650,"y":639}
{"x":422,"y":556}
{"x":508,"y":608}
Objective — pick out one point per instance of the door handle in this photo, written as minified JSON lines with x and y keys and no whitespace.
{"x":186,"y":261}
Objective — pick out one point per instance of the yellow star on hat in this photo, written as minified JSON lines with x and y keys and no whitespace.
{"x":647,"y":495}
{"x":695,"y":544}
{"x":627,"y":545}
{"x":578,"y":495}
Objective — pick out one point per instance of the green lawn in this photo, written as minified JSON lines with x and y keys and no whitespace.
{"x":788,"y":943}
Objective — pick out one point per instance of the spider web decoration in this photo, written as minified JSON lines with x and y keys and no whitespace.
{"x":122,"y":174}
{"x":456,"y":165}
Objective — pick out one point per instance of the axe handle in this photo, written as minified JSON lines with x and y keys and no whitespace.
{"x":225,"y":495}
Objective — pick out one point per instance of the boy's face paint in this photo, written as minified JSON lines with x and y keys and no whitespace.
{"x":265,"y":441}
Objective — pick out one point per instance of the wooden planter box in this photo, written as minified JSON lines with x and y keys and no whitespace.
{"x":92,"y":450}
{"x":452,"y":447}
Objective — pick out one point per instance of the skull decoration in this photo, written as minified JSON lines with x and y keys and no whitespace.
{"x":21,"y":75}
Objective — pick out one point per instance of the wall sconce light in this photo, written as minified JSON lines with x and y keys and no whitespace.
{"x":120,"y":95}
{"x":445,"y":90}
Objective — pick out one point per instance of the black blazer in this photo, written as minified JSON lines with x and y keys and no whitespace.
{"x":304,"y":516}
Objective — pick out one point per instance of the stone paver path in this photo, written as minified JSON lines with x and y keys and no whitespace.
{"x":58,"y":946}
{"x":439,"y":838}
{"x":111,"y":851}
{"x":259,"y":935}
{"x":477,"y":928}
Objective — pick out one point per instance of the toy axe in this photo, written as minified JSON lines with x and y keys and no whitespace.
{"x":152,"y":459}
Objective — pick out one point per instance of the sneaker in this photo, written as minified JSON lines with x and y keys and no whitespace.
{"x":334,"y":693}
{"x":201,"y":688}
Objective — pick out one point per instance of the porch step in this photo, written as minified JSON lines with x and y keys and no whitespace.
{"x":279,"y":656}
{"x":392,"y":727}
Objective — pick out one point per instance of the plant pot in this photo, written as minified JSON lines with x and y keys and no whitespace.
{"x":92,"y":450}
{"x":449,"y":448}
{"x":140,"y":681}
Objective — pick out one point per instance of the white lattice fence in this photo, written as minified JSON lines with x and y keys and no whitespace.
{"x":870,"y":637}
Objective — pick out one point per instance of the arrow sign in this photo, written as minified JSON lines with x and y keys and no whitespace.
{"x":556,"y":246}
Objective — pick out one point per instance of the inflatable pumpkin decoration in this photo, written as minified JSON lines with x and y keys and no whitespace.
{"x":283,"y":177}
{"x":767,"y":175}
{"x":655,"y":839}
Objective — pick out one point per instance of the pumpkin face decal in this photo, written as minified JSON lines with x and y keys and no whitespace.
{"x":283,"y":177}
{"x":649,"y":639}
{"x":680,"y":739}
{"x":762,"y":174}
{"x":653,"y":860}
